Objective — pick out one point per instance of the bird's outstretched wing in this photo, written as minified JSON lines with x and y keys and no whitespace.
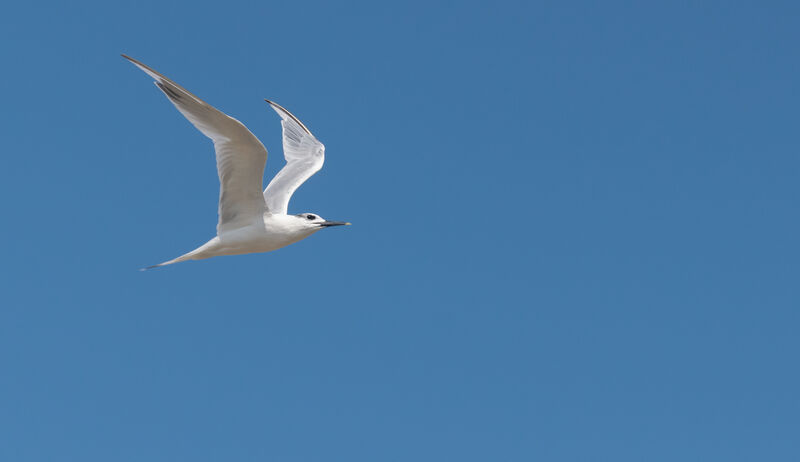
{"x":304,"y":157}
{"x":240,"y":155}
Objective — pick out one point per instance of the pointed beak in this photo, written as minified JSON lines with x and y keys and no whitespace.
{"x":325,"y":224}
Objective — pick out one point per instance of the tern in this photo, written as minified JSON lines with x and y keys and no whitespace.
{"x":250,"y":221}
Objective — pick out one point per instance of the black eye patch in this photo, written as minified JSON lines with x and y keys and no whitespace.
{"x":311,"y":217}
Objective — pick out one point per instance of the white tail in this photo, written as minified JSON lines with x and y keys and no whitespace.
{"x":204,"y":251}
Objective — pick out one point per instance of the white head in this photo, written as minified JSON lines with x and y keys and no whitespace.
{"x":312,"y":222}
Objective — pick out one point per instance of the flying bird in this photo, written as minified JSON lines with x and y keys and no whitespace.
{"x":250,"y":220}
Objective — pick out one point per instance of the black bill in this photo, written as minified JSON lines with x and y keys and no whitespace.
{"x":333,"y":223}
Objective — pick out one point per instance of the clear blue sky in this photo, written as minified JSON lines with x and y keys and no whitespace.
{"x":575,"y":234}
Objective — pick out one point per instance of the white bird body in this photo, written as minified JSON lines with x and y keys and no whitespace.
{"x":274,"y":232}
{"x":250,"y":221}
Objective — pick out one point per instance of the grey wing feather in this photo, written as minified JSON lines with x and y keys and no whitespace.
{"x":304,"y":157}
{"x":240,"y":155}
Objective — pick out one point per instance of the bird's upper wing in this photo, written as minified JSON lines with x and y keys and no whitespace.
{"x":240,"y":155}
{"x":304,"y":157}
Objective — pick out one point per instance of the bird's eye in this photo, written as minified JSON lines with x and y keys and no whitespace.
{"x":311,"y":217}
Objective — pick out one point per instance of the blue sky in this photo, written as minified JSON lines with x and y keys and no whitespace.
{"x":574,"y":234}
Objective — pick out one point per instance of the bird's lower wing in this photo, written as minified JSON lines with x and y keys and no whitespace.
{"x":240,"y":155}
{"x":304,"y":157}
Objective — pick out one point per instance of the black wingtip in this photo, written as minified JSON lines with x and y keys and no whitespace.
{"x":285,"y":111}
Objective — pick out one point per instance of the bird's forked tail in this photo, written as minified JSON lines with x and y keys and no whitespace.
{"x":204,"y":251}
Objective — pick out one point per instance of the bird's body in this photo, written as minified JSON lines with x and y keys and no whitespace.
{"x":272,"y":233}
{"x":250,"y":221}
